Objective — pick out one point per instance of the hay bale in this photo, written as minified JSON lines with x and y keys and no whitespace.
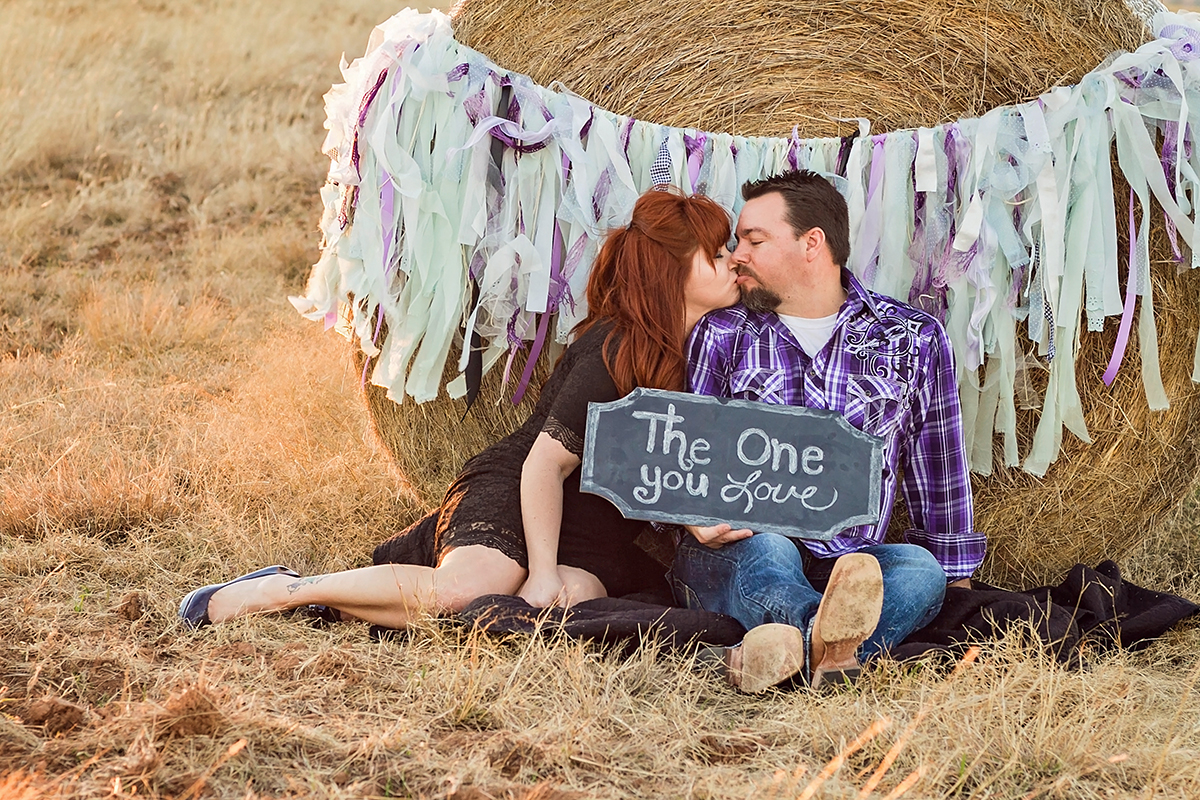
{"x":430,"y":441}
{"x":763,"y":67}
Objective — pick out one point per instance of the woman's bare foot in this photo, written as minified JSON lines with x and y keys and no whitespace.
{"x":256,"y":596}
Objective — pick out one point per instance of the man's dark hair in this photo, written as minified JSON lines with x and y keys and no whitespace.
{"x":811,"y":202}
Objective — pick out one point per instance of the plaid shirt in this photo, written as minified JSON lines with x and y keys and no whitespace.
{"x":889,"y":369}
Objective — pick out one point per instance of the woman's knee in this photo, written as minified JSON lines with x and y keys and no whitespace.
{"x":468,"y":573}
{"x":581,"y":585}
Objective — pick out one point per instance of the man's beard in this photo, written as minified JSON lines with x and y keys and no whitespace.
{"x":759,"y":299}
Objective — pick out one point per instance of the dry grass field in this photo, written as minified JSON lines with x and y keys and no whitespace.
{"x":166,"y":419}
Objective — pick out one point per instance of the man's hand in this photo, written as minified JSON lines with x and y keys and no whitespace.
{"x":961,"y":583}
{"x":543,"y":590}
{"x":717,"y":536}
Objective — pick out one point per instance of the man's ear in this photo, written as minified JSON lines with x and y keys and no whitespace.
{"x":814,"y":241}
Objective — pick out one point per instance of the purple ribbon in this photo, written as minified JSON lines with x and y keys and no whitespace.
{"x":1169,"y":159}
{"x":626,"y":132}
{"x":950,"y":146}
{"x":573,"y":260}
{"x":928,"y":290}
{"x":1114,"y":363}
{"x":510,"y":133}
{"x":695,"y":156}
{"x":600,"y":196}
{"x":364,"y":108}
{"x":539,"y":341}
{"x":477,"y":107}
{"x":508,"y":129}
{"x":793,"y":156}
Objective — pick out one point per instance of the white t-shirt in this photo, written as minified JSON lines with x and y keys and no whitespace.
{"x":812,"y":334}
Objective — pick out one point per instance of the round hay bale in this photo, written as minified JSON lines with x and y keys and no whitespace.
{"x":760,"y":68}
{"x":764,"y":66}
{"x":430,"y":441}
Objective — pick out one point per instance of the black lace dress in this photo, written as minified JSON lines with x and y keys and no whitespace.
{"x":483,"y":505}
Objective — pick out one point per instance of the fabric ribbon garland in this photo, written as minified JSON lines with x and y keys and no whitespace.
{"x":984,"y":222}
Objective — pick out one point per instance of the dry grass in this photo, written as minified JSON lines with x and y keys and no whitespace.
{"x":166,"y":420}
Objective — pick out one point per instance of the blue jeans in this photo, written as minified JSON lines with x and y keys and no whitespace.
{"x":762,"y":579}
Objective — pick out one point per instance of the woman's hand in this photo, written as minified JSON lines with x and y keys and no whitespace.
{"x":546,"y":467}
{"x":543,"y":590}
{"x":717,"y":536}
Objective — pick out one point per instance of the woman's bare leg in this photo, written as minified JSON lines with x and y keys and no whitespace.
{"x":468,"y":573}
{"x":580,"y":585}
{"x":386,"y":594}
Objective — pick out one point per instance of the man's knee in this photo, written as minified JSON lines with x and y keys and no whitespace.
{"x":747,"y":579}
{"x":910,"y":558}
{"x":771,"y":547}
{"x":761,"y":554}
{"x":917,"y":576}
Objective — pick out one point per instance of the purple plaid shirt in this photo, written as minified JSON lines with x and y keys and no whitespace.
{"x":889,"y":369}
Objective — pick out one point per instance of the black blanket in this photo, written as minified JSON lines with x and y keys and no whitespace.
{"x":1092,"y":605}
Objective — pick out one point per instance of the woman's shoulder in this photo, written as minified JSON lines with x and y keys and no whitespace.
{"x":590,"y":344}
{"x":594,"y":336}
{"x":585,"y":356}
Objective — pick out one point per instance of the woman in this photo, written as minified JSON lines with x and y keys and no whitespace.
{"x":514,"y":521}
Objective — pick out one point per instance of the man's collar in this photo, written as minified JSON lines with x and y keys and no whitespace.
{"x":856,"y":296}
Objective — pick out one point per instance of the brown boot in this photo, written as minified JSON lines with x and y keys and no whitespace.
{"x":848,"y":614}
{"x":768,"y":655}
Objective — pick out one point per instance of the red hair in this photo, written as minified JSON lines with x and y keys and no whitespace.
{"x":637,"y":284}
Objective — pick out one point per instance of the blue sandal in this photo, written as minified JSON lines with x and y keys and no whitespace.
{"x":193,"y":609}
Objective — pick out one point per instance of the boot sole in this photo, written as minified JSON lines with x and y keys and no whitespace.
{"x":771,"y":654}
{"x":848,"y":615}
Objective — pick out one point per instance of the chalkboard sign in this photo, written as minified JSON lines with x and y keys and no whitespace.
{"x":700,"y":460}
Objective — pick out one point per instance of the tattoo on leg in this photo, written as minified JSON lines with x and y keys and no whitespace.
{"x":295,"y":587}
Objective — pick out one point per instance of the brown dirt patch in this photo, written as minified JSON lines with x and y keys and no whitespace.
{"x":132,"y":607}
{"x":192,"y":712}
{"x":288,"y":659}
{"x":336,"y":664}
{"x":56,"y":714}
{"x":509,"y":755}
{"x":235,"y":651}
{"x":731,"y":748}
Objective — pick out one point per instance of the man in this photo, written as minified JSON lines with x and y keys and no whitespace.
{"x":808,"y":333}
